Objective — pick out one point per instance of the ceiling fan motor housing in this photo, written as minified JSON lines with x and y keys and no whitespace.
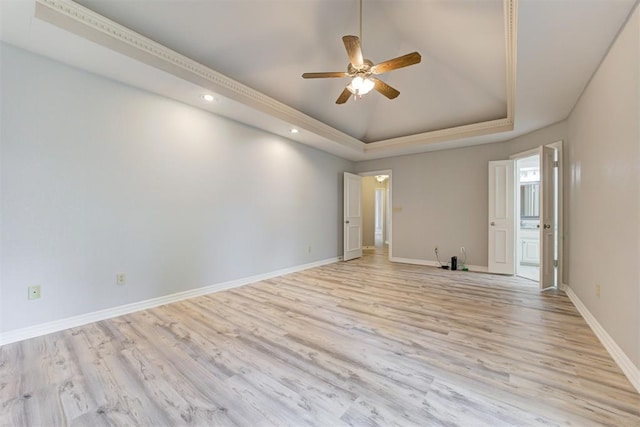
{"x":363,"y":70}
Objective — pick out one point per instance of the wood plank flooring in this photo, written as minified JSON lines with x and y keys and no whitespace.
{"x":365,"y":343}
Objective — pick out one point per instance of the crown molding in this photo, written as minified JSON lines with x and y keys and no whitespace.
{"x":511,"y":53}
{"x":458,"y":132}
{"x":90,"y":25}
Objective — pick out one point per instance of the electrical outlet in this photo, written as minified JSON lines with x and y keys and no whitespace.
{"x":598,"y":290}
{"x":121,"y":279}
{"x":34,"y":292}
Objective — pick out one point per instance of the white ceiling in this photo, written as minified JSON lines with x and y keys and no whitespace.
{"x":265,"y":46}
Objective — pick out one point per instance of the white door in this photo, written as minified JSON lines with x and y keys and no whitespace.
{"x":352,"y":216}
{"x":547,"y":217}
{"x":501,"y":217}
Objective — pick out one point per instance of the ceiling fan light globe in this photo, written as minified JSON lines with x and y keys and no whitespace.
{"x":351,"y":89}
{"x":360,"y":85}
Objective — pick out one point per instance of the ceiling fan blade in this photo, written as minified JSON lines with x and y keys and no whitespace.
{"x":344,"y":96}
{"x":324,"y":75}
{"x":352,"y":44}
{"x":399,"y":62}
{"x":384,"y":88}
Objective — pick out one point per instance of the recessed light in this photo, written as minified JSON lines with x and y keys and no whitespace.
{"x":208,"y":98}
{"x":294,"y":130}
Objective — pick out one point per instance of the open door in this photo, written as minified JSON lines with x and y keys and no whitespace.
{"x":352,"y":216}
{"x":501,"y":217}
{"x":547,"y":217}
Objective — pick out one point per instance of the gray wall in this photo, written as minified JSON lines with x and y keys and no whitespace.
{"x":441,"y":198}
{"x":100,"y":178}
{"x":603,"y":159}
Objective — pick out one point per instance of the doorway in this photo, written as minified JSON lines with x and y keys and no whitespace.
{"x":538,"y":214}
{"x":376,"y":210}
{"x":520,"y":211}
{"x":528,"y":217}
{"x":379,"y":215}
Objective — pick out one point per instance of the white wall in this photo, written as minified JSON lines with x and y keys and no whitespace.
{"x":441,"y":198}
{"x":603,"y":155}
{"x":99,"y":178}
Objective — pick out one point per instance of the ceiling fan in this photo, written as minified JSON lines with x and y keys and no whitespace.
{"x":362,"y":71}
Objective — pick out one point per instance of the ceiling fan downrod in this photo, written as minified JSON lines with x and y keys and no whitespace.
{"x":360,"y":34}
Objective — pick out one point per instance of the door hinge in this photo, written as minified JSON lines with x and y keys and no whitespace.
{"x":555,"y":262}
{"x":556,"y":163}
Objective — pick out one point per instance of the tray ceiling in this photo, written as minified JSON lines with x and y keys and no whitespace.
{"x":252,"y":55}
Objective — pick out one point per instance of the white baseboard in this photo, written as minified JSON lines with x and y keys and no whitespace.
{"x":75,"y":321}
{"x":626,"y":365}
{"x":476,"y":268}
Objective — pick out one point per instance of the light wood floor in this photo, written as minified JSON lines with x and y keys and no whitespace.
{"x":359,"y":343}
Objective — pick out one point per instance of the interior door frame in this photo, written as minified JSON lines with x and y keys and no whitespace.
{"x":535,"y":151}
{"x":548,"y":228}
{"x":389,"y":202}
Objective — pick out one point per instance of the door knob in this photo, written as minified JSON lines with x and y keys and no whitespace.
{"x":347,"y":221}
{"x":493,"y":223}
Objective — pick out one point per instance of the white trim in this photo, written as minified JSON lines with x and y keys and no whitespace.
{"x":524,"y":154}
{"x":626,"y":365}
{"x":75,"y":321}
{"x":474,"y":268}
{"x":442,"y":135}
{"x":376,"y":172}
{"x":559,"y":147}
